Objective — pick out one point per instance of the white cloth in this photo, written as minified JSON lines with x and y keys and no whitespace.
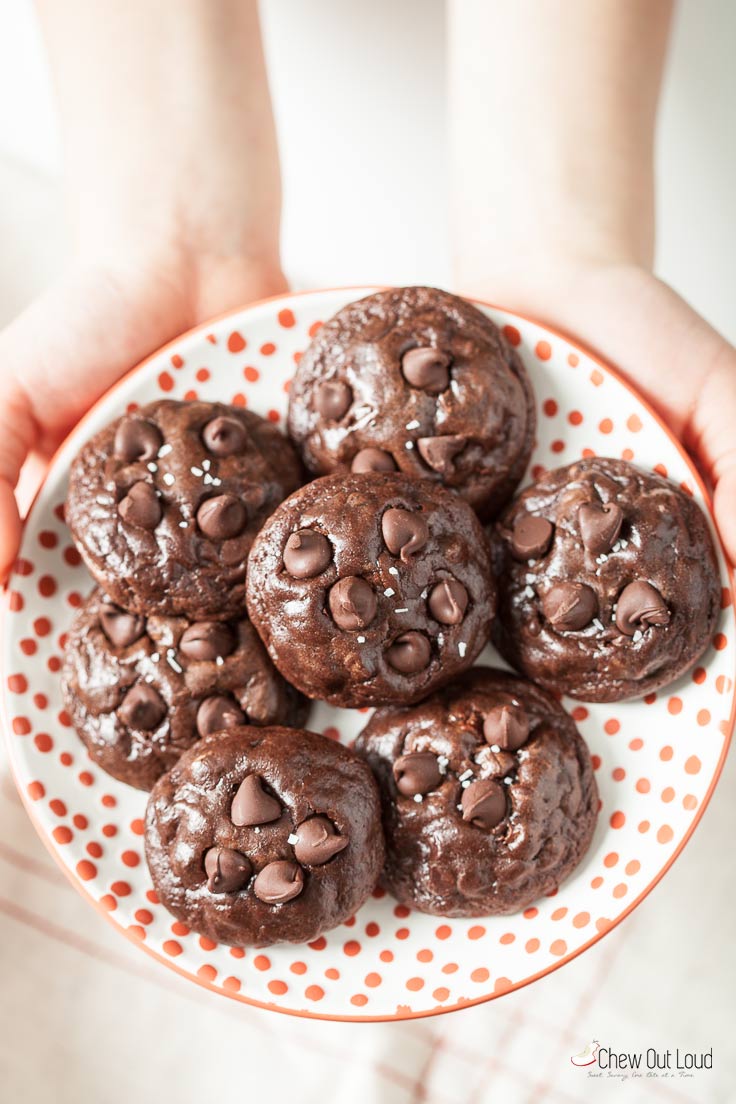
{"x":86,"y":1017}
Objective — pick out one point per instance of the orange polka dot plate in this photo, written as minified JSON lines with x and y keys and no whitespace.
{"x":657,"y":760}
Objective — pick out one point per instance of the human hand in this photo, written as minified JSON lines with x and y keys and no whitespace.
{"x":72,"y":344}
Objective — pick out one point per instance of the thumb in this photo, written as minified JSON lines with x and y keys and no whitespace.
{"x":713,"y":424}
{"x":17,"y":436}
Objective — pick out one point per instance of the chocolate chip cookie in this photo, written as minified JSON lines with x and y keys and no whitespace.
{"x":371,"y":588}
{"x":164,"y":503}
{"x":609,"y":585}
{"x":420,"y":381}
{"x":264,"y":836}
{"x":140,"y":691}
{"x":488,"y":795}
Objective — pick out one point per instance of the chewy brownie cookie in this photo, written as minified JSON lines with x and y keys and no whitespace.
{"x":609,"y":585}
{"x":421,"y":381}
{"x":262,"y":836}
{"x":164,"y":503}
{"x":488,"y":795}
{"x":371,"y":588}
{"x":140,"y":691}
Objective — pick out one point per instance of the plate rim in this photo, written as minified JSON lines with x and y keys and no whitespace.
{"x":408,"y":1014}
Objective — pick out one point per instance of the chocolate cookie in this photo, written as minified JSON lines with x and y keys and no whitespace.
{"x":488,"y":795}
{"x":421,"y":381}
{"x":140,"y":691}
{"x":264,"y":836}
{"x":609,"y":586}
{"x":164,"y":503}
{"x":371,"y":588}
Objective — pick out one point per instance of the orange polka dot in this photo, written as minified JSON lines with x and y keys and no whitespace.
{"x":666,"y":753}
{"x":633,"y":867}
{"x":278,"y":988}
{"x":668,"y":793}
{"x":506,"y":938}
{"x":476,"y":932}
{"x":557,"y":446}
{"x":177,"y":361}
{"x":286,"y":318}
{"x":725,"y":597}
{"x":402,"y":933}
{"x":603,"y":924}
{"x":723,"y":684}
{"x":207,"y":972}
{"x":674,"y":706}
{"x":401,"y":911}
{"x":620,"y":890}
{"x":190,"y":395}
{"x":109,"y":801}
{"x":15,"y":602}
{"x":612,"y":726}
{"x":268,"y":349}
{"x":415,"y":984}
{"x":719,"y":641}
{"x":575,"y":418}
{"x":703,"y":717}
{"x":62,"y":834}
{"x":531,"y":946}
{"x":559,"y":914}
{"x":298,"y":967}
{"x":171,"y":947}
{"x":130,"y":858}
{"x":611,"y":859}
{"x":481,"y":974}
{"x":262,"y":962}
{"x":502,"y":985}
{"x":689,"y":801}
{"x":57,"y":807}
{"x":40,"y":701}
{"x":108,"y":902}
{"x":386,"y":956}
{"x":28,"y":647}
{"x":373,"y":980}
{"x":236,"y":342}
{"x":664,"y":834}
{"x":543,"y":349}
{"x":596,"y":761}
{"x":236,"y":952}
{"x":94,"y":849}
{"x":144,"y":916}
{"x":444,"y":931}
{"x":372,"y":929}
{"x":661,"y":470}
{"x":687,"y":489}
{"x":530,"y":913}
{"x":203,"y":374}
{"x":618,"y":819}
{"x":166,"y":381}
{"x":643,"y":826}
{"x":627,"y":454}
{"x":579,"y":713}
{"x":21,"y":726}
{"x":151,"y":894}
{"x":424,"y":956}
{"x":558,"y":947}
{"x":512,"y":335}
{"x":314,"y":329}
{"x":180,"y":928}
{"x":699,"y":675}
{"x":314,"y":992}
{"x":121,"y":889}
{"x":239,"y":399}
{"x":581,"y":919}
{"x":450,"y":968}
{"x":86,"y":778}
{"x":251,"y":374}
{"x":231,"y":984}
{"x":606,"y":425}
{"x":273,"y":416}
{"x":36,"y":791}
{"x":43,"y":742}
{"x":596,"y":882}
{"x":352,"y":947}
{"x":633,"y":423}
{"x":649,"y":699}
{"x":358,"y":999}
{"x":618,"y":774}
{"x":17,"y":684}
{"x":441,"y":994}
{"x":86,"y":870}
{"x":643,"y":785}
{"x":550,"y":407}
{"x":636,"y":744}
{"x":318,"y":944}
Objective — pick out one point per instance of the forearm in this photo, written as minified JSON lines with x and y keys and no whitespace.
{"x":552,"y":115}
{"x":167,"y":125}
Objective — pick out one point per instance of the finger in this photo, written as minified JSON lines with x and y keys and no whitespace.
{"x":18,"y":433}
{"x":724,"y":502}
{"x":10,"y":529}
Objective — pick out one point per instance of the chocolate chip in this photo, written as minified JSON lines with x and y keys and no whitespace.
{"x":427,"y":369}
{"x":600,"y":526}
{"x":484,"y":803}
{"x":318,"y":841}
{"x":224,"y":436}
{"x":639,"y":606}
{"x":217,"y":713}
{"x":307,"y":554}
{"x":121,"y":628}
{"x":570,"y":606}
{"x":507,"y":727}
{"x":373,"y":460}
{"x":333,"y":399}
{"x":405,"y":532}
{"x":207,"y":640}
{"x":448,"y":601}
{"x":137,"y":439}
{"x":409,"y":653}
{"x":227,"y":870}
{"x":222,"y":518}
{"x":531,"y":537}
{"x":440,"y":452}
{"x":141,"y":506}
{"x":279,"y":882}
{"x":352,"y":603}
{"x":142,"y":708}
{"x":252,"y":805}
{"x":417,"y":772}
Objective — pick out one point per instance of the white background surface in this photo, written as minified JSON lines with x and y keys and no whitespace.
{"x":358,"y":91}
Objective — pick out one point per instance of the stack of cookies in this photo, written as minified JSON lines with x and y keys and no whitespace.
{"x":231,"y":591}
